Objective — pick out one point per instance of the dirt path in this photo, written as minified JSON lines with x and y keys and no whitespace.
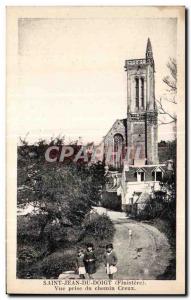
{"x":144,"y":256}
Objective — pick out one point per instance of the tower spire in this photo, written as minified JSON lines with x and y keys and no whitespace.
{"x":149,"y":52}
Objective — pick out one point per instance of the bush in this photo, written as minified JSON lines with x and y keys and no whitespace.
{"x":26,"y":257}
{"x":27,"y":228}
{"x":55,"y":264}
{"x":100,"y":227}
{"x":96,"y":229}
{"x":111,"y":201}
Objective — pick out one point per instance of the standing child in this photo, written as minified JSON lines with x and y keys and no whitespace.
{"x":110,"y":260}
{"x":80,"y":264}
{"x":130,"y":236}
{"x":89,"y":260}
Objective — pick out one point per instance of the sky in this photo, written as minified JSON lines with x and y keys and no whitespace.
{"x":71,"y":79}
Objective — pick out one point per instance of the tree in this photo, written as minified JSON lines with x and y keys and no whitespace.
{"x":171,"y":83}
{"x":62,"y":194}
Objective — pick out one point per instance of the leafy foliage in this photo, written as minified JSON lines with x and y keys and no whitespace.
{"x":100,"y":227}
{"x":167,"y":150}
{"x":164,"y":217}
{"x":96,"y":229}
{"x":61,"y":193}
{"x":53,"y":265}
{"x":61,"y":196}
{"x":111,"y":201}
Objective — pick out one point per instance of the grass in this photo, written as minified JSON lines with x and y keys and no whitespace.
{"x":169,"y":229}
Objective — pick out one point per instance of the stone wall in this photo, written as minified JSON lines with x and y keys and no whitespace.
{"x":152,"y":139}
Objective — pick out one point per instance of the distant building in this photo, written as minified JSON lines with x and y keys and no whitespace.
{"x":134,"y":172}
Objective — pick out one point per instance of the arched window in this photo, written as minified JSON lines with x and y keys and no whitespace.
{"x":137,"y":91}
{"x":118,"y":142}
{"x":118,"y":149}
{"x":142,"y":92}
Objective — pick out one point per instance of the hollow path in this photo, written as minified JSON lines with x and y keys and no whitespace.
{"x":144,"y":256}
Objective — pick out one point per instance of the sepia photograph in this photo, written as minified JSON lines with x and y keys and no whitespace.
{"x":96,"y":150}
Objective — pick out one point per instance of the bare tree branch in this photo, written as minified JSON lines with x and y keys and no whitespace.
{"x":173,"y":100}
{"x":171,"y":82}
{"x":163,"y":111}
{"x":165,"y":123}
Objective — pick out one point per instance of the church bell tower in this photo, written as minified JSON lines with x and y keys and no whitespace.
{"x":142,"y":128}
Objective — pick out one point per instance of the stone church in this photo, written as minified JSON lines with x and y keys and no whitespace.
{"x":134,"y":172}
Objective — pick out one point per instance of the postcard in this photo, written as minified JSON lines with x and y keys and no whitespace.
{"x":95,"y":150}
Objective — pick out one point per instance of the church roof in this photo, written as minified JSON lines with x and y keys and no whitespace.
{"x":131,"y":175}
{"x":123,"y":122}
{"x":149,"y":47}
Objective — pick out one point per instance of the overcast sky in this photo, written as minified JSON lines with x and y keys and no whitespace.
{"x":71,"y":73}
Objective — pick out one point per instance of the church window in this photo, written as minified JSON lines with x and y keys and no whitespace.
{"x":137,"y":91}
{"x":142,"y":92}
{"x":118,"y":141}
{"x":118,"y":148}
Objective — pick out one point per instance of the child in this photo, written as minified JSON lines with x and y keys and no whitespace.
{"x":80,"y":264}
{"x":130,"y":237}
{"x":89,"y":260}
{"x":110,"y":260}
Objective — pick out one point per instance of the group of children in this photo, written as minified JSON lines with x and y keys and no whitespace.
{"x":86,"y":262}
